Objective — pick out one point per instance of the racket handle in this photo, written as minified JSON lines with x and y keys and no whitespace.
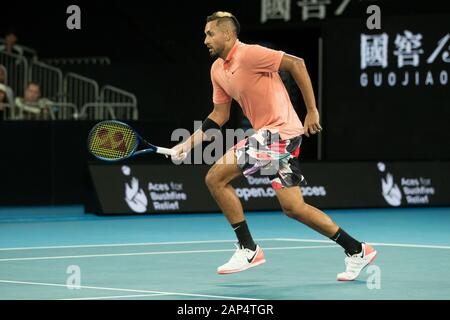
{"x":165,"y":151}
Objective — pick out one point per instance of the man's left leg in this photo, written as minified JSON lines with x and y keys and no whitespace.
{"x":359,"y":255}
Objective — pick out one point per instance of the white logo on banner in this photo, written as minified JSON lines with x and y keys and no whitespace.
{"x":313,"y":9}
{"x":391,"y":192}
{"x":408,"y":49}
{"x":264,"y":191}
{"x":134,"y":196}
{"x":261,"y":188}
{"x":167,"y":196}
{"x":374,"y":50}
{"x":275,"y":9}
{"x":416,"y":190}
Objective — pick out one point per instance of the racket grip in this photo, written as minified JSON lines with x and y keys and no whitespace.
{"x":165,"y":151}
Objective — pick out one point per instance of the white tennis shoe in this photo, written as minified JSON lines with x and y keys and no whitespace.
{"x":355,"y":263}
{"x":242,"y":259}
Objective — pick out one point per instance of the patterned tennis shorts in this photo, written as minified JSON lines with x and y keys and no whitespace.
{"x":272,"y":157}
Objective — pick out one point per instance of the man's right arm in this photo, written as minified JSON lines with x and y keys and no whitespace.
{"x":220,"y":115}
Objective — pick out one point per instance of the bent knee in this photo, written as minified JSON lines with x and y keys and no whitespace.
{"x":221,"y":175}
{"x":295,"y":211}
{"x":213,"y":179}
{"x":210,"y":179}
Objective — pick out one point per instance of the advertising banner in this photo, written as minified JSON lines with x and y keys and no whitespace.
{"x":144,"y":189}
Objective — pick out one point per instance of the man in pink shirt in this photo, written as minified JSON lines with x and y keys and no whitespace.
{"x":249,"y":75}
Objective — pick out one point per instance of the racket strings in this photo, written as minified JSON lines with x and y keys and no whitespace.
{"x":112,"y":140}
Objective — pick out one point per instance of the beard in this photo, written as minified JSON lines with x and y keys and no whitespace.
{"x":215,"y":53}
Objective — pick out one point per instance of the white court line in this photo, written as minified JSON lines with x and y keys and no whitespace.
{"x":406,"y":245}
{"x":126,"y":244}
{"x":119,"y":297}
{"x":128,"y":290}
{"x":381,"y":244}
{"x":153,"y":253}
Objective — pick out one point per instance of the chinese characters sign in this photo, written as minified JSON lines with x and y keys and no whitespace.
{"x":408,"y":56}
{"x":310,"y":9}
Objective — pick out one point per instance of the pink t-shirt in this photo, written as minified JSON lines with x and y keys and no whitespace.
{"x":250,"y":76}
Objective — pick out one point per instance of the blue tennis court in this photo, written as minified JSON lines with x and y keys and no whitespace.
{"x":133,"y":139}
{"x":61,"y":253}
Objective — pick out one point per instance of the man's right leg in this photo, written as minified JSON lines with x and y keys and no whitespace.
{"x":248,"y":254}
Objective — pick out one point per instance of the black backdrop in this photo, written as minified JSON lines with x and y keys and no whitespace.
{"x":157,"y":52}
{"x":395,"y":111}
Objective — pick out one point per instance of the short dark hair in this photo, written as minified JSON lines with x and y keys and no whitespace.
{"x":222,"y":16}
{"x":34,"y":83}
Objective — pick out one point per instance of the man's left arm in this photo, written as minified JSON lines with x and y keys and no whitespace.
{"x":297,"y":68}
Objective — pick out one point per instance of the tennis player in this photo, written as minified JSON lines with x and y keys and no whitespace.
{"x":249,"y":75}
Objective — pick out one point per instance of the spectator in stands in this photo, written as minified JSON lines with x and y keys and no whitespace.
{"x":9,"y":92}
{"x":34,"y":107}
{"x":10,"y":45}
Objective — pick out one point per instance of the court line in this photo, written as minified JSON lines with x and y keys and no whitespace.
{"x":126,"y":244}
{"x":155,"y":253}
{"x":381,"y":244}
{"x":406,"y":245}
{"x":127,"y":290}
{"x":119,"y":297}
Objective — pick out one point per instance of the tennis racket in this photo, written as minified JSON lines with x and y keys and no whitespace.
{"x":113,"y":140}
